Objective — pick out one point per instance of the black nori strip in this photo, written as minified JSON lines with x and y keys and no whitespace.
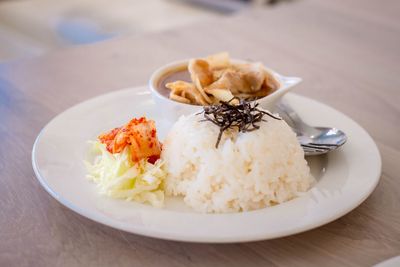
{"x":226,"y":115}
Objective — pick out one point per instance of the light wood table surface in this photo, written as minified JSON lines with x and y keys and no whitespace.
{"x":348,"y":53}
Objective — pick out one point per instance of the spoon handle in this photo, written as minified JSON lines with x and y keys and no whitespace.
{"x":291,"y":117}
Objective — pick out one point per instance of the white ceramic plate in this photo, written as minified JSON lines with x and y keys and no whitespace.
{"x":345,"y":177}
{"x":392,"y":262}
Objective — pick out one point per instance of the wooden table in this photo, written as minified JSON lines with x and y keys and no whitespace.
{"x":348,"y":55}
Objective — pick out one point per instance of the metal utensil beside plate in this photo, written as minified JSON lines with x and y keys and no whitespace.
{"x":314,"y":140}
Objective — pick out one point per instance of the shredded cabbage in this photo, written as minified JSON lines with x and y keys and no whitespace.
{"x":118,"y":176}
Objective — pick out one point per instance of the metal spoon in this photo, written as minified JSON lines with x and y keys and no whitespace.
{"x":314,"y":140}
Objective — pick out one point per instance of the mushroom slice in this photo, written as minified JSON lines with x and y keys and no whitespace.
{"x":253,"y":75}
{"x":221,"y":94}
{"x":230,"y":80}
{"x":201,"y":76}
{"x":264,"y":91}
{"x":200,"y":69}
{"x":201,"y":90}
{"x":219,"y":61}
{"x":178,"y":98}
{"x":185,"y":92}
{"x":270,"y":81}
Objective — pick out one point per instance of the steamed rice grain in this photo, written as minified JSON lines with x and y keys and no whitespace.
{"x":247,"y":171}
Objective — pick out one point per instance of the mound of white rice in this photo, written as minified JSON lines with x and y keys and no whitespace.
{"x":247,"y":171}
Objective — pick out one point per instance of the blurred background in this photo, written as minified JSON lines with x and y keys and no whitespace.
{"x":33,"y":27}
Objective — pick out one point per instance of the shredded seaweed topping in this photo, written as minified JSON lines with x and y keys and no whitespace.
{"x":228,"y":115}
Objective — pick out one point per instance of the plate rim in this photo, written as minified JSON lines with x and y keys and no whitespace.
{"x":93,"y":216}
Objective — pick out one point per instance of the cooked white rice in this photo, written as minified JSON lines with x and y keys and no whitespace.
{"x":247,"y":171}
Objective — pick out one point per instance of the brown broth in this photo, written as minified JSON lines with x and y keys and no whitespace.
{"x":181,"y":74}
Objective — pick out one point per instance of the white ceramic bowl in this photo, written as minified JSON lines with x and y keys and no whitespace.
{"x":173,"y":110}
